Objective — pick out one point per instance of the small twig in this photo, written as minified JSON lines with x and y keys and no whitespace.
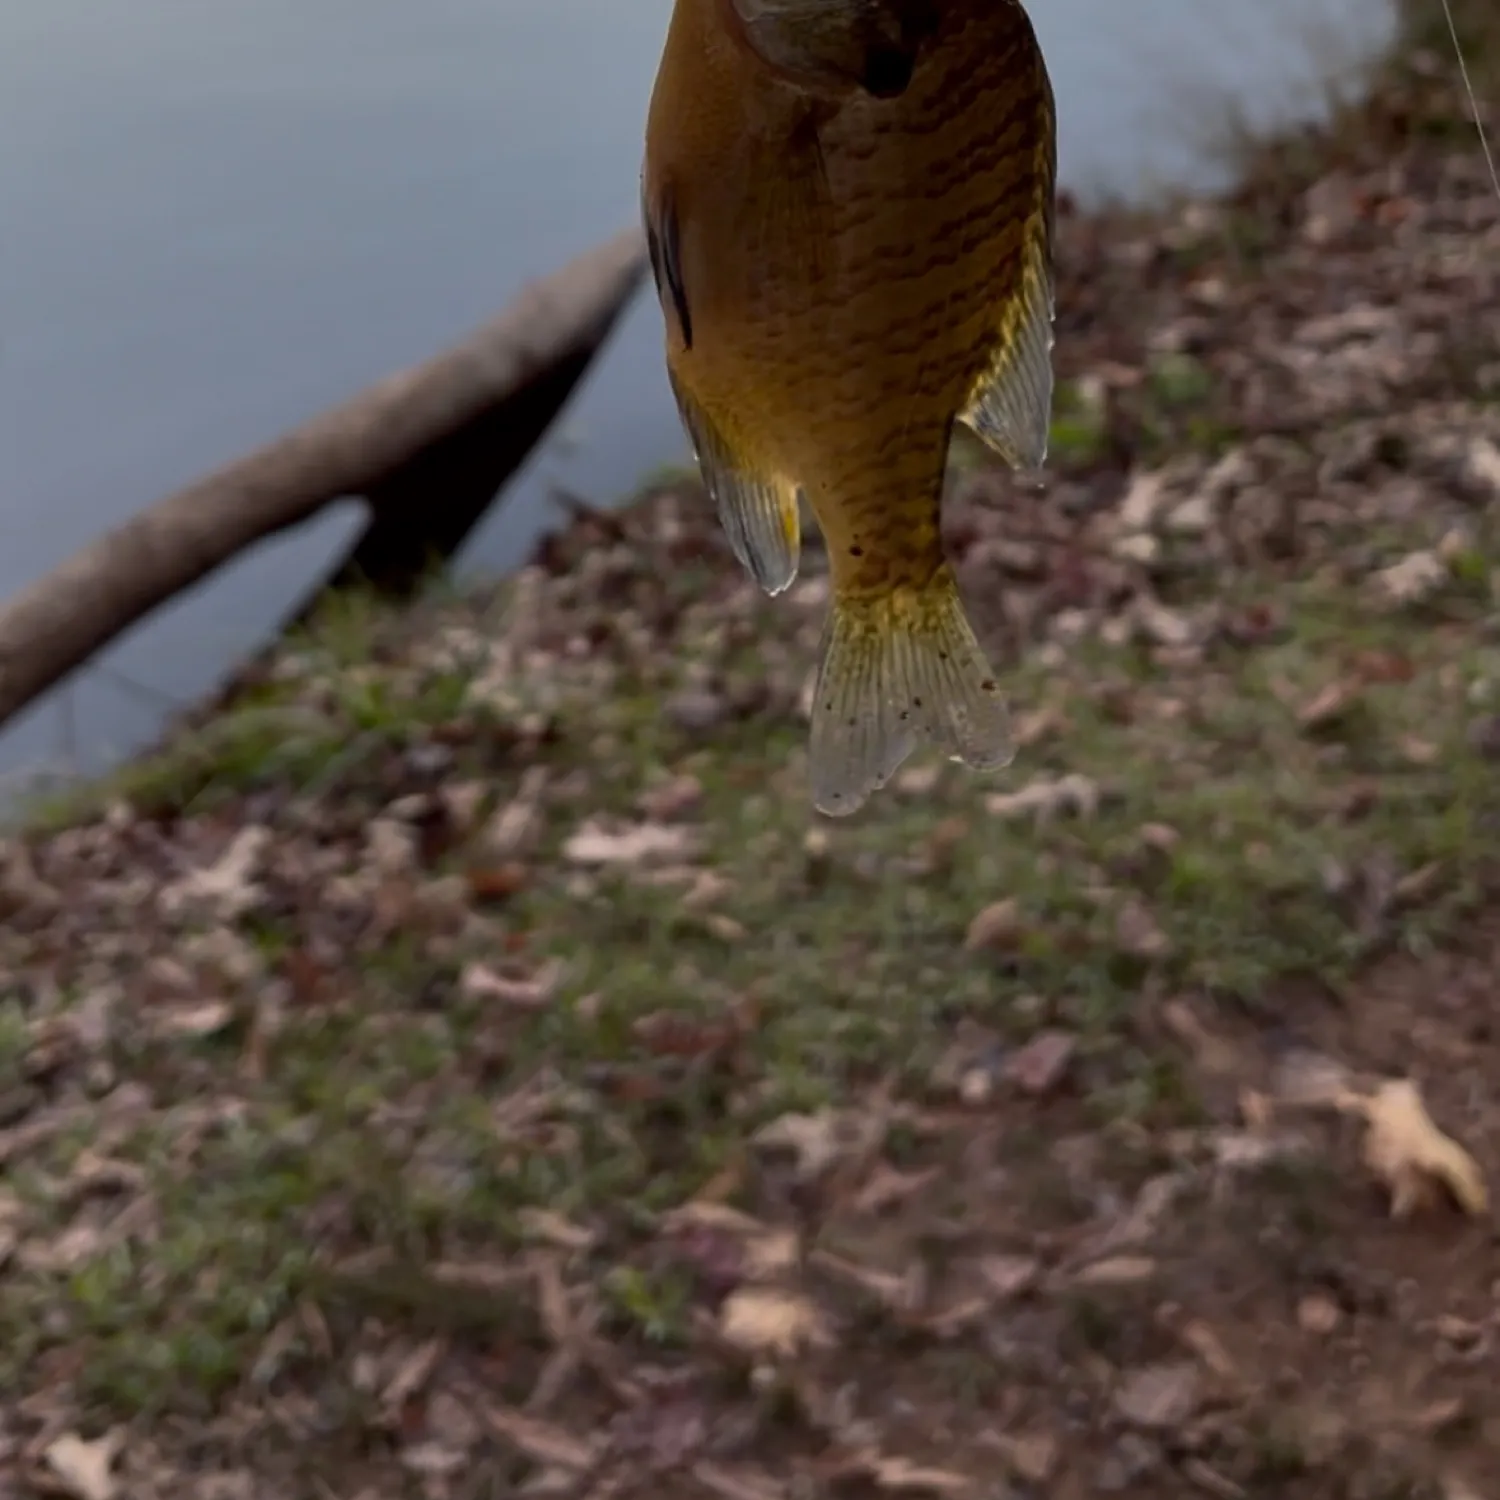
{"x":580,"y":509}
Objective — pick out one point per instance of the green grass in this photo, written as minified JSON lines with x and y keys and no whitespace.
{"x":680,"y":1025}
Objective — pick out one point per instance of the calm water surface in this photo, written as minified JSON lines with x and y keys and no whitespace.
{"x":217,"y":218}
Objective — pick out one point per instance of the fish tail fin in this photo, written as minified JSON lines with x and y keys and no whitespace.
{"x":900,"y":668}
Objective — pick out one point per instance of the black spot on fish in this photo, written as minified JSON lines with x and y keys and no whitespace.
{"x":666,"y":265}
{"x":887,"y":72}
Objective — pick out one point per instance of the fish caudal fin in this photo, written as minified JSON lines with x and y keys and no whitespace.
{"x":757,"y":511}
{"x":900,"y":669}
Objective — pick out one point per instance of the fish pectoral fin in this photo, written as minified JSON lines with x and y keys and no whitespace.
{"x":1010,"y":408}
{"x":797,"y":199}
{"x":757,"y":511}
{"x":663,"y":245}
{"x":900,"y":669}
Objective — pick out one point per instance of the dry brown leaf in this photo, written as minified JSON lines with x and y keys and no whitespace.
{"x":1048,"y":798}
{"x":737,"y":1483}
{"x":769,"y":1320}
{"x":817,"y":1141}
{"x":1040,"y":1066}
{"x":1137,"y":932}
{"x":192,"y":1022}
{"x":888,"y":1186}
{"x":1117,"y":1270}
{"x":901,"y":1476}
{"x":481,"y":983}
{"x":1330,"y":704}
{"x":765,"y":1250}
{"x":1318,"y":1313}
{"x":1031,"y":1457}
{"x":540,"y":1441}
{"x":1009,"y":1275}
{"x":643,"y":844}
{"x":1309,"y":1079}
{"x":903,"y":1294}
{"x":412,"y":1374}
{"x":1160,"y":1396}
{"x":1209,"y":1347}
{"x":556,"y":1230}
{"x":85,"y":1469}
{"x":1407,"y":1150}
{"x":997,"y":927}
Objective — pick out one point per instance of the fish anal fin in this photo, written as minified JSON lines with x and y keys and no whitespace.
{"x":900,"y":669}
{"x":758,"y":511}
{"x":1010,"y":408}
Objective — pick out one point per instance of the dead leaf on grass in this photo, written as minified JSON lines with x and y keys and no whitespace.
{"x":556,"y":1230}
{"x":771,"y":1321}
{"x":737,"y":1483}
{"x":1329,"y":705}
{"x":997,"y":928}
{"x":1032,"y":1457}
{"x":84,"y":1468}
{"x":1117,"y":1270}
{"x":1009,"y":1276}
{"x":1048,"y":797}
{"x":1138,"y":933}
{"x":191,"y":1022}
{"x":1209,"y":1347}
{"x":902,"y":1294}
{"x":1040,"y":1066}
{"x":432,"y":1461}
{"x":1318,"y":1313}
{"x":888,"y":1186}
{"x":482,"y":983}
{"x":411,"y":1375}
{"x":1408,"y":1151}
{"x":1310,"y":1080}
{"x":1160,"y":1397}
{"x":900,"y":1476}
{"x":642,"y":844}
{"x":1414,"y":579}
{"x":542,"y":1442}
{"x":224,"y":890}
{"x":1402,"y":1146}
{"x":755,"y":1251}
{"x":822,"y":1140}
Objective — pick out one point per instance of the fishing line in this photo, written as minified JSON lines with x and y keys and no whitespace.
{"x":1463,"y":73}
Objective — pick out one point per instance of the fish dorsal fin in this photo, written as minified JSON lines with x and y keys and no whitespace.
{"x":757,"y":511}
{"x":1011,"y":404}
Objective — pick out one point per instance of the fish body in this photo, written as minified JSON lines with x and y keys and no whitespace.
{"x":849,"y":208}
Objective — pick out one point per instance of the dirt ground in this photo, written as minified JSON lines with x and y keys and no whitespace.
{"x":463,"y":1066}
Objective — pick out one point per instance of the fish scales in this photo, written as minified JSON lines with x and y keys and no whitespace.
{"x":857,"y":275}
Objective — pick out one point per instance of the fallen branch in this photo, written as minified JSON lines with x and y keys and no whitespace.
{"x":427,"y":449}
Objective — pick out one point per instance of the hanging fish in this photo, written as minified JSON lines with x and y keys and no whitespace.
{"x":849,"y":208}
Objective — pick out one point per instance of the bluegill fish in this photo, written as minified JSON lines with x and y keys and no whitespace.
{"x":849,"y":207}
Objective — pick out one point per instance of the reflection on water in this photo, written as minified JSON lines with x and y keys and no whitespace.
{"x":217,"y":220}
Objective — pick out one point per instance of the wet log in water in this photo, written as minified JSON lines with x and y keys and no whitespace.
{"x":427,"y":450}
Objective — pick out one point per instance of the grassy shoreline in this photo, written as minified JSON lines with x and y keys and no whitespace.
{"x":463,"y":1065}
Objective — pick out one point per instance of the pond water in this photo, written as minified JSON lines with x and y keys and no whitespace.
{"x":217,"y":219}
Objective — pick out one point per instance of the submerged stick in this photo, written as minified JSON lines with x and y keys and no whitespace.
{"x":503,"y":383}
